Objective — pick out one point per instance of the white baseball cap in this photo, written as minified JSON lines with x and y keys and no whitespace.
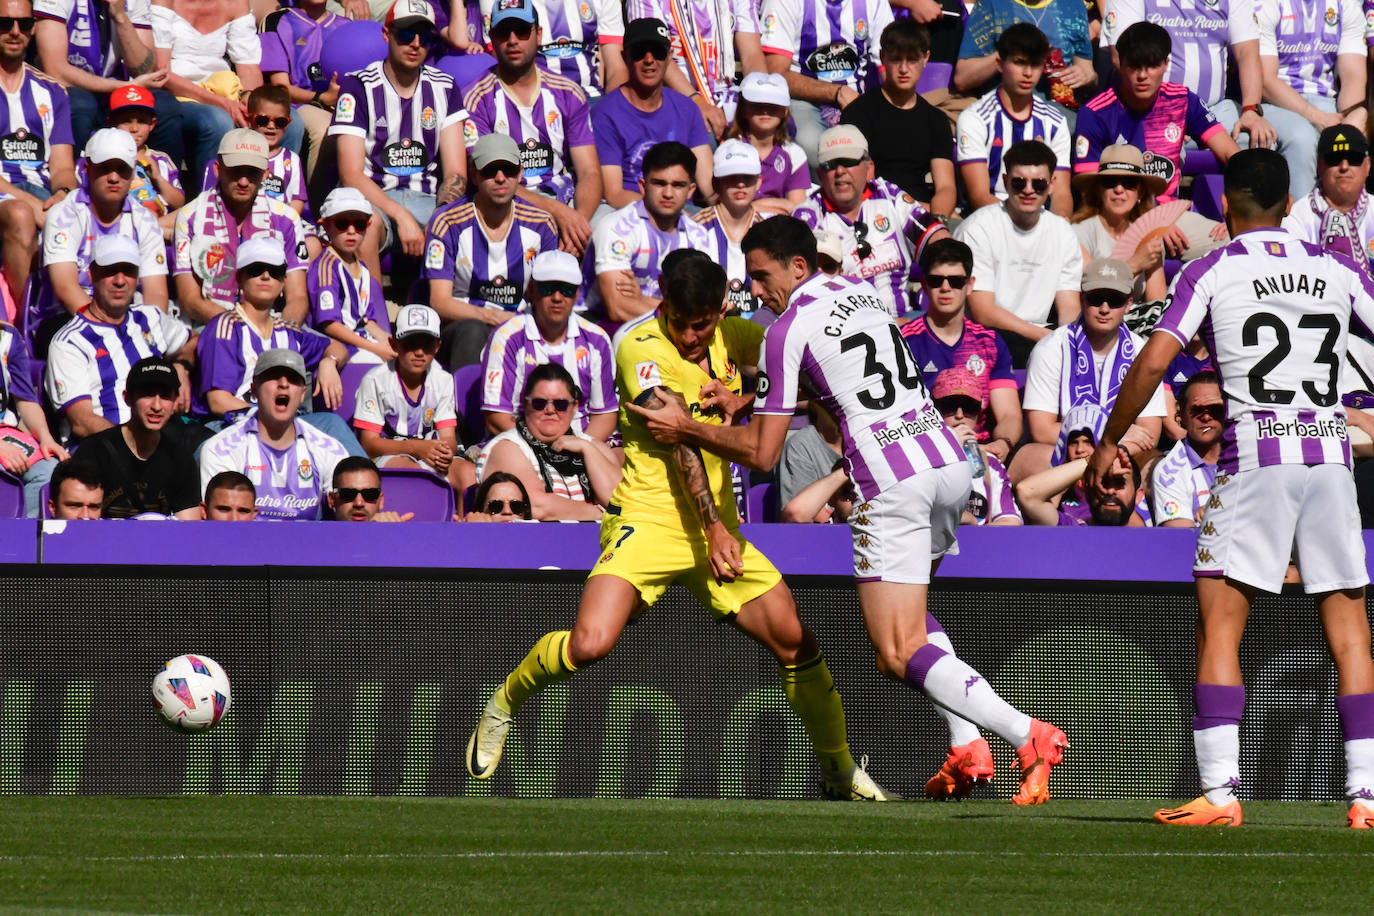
{"x":828,"y":243}
{"x":766,"y":89}
{"x":110,"y":250}
{"x":344,"y":200}
{"x":556,"y":267}
{"x":736,"y":157}
{"x":843,"y":142}
{"x":416,"y":319}
{"x":261,"y":249}
{"x":111,"y":143}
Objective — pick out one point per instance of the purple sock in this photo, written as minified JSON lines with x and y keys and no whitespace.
{"x":1357,"y":715}
{"x":933,"y":625}
{"x":919,"y":665}
{"x":1217,"y":705}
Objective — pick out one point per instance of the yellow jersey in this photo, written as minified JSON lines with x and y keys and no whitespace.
{"x":646,"y":358}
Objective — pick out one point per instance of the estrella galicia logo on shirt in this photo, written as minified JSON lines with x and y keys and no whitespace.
{"x":273,"y":186}
{"x":1162,"y":166}
{"x":497,"y":291}
{"x":834,"y":63}
{"x":562,"y":47}
{"x":739,"y":295}
{"x":536,"y":158}
{"x":405,"y":158}
{"x":23,"y":148}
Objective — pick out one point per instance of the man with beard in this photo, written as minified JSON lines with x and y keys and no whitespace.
{"x":1042,"y":496}
{"x":1181,"y":482}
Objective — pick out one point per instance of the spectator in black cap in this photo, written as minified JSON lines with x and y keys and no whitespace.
{"x":1336,"y":214}
{"x":143,"y":471}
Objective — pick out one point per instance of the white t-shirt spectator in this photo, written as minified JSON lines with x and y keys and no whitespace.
{"x":1045,"y":370}
{"x":1023,"y":269}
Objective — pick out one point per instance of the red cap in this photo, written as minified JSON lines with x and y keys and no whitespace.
{"x":957,"y":381}
{"x":131,"y":96}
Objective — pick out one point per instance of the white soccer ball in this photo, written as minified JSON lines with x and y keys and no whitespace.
{"x":191,"y":693}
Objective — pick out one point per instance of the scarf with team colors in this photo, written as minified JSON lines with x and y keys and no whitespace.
{"x":1078,"y":379}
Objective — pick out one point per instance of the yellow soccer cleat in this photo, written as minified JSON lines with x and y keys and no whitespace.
{"x":1361,"y":817}
{"x":856,"y":785}
{"x":1044,"y":751}
{"x":1201,"y":813}
{"x":965,"y":767}
{"x":488,"y":740}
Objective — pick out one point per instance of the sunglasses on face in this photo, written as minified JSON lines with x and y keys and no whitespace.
{"x":1122,"y":181}
{"x":424,"y":34}
{"x":1110,"y":300}
{"x":559,"y":404}
{"x":1197,"y":411}
{"x":266,"y":121}
{"x":349,"y":494}
{"x":947,"y":406}
{"x":278,"y":271}
{"x":1018,"y":184}
{"x":548,"y":289}
{"x":1334,"y":159}
{"x":517,"y":506}
{"x":343,"y":224}
{"x":522,"y":31}
{"x":862,"y":248}
{"x":955,"y":281}
{"x":834,"y":164}
{"x":25,"y":23}
{"x":639,"y":52}
{"x":509,"y":169}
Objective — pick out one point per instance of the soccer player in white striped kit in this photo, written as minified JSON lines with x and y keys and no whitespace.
{"x":837,"y":338}
{"x":1275,"y":312}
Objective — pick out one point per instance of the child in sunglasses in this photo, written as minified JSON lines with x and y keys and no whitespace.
{"x":346,"y":300}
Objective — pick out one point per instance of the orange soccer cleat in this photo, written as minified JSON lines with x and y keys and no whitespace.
{"x":1361,"y":817}
{"x":1201,"y":813}
{"x":966,"y":766}
{"x":1037,"y":757}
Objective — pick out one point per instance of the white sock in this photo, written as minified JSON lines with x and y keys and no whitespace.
{"x":951,"y":683}
{"x":1218,"y":762}
{"x":961,"y":731}
{"x":1359,"y":769}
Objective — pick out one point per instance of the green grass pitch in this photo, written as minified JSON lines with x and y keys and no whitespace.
{"x":335,"y":855}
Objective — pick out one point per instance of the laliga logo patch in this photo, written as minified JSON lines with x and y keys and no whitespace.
{"x":434,"y":257}
{"x":326,"y":301}
{"x":1082,"y":147}
{"x":344,"y":109}
{"x":469,"y":133}
{"x":60,"y":239}
{"x":647,"y":374}
{"x":618,"y":247}
{"x":770,"y":22}
{"x":1111,"y":18}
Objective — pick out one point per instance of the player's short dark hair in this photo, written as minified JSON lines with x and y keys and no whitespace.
{"x":269,"y":94}
{"x":230,"y":481}
{"x":1256,"y":184}
{"x":1029,"y":152}
{"x":353,"y":463}
{"x":1203,"y":377}
{"x":479,"y":502}
{"x":904,"y":39}
{"x":674,"y":260}
{"x":947,"y":251}
{"x":782,"y":238}
{"x":1144,"y":44}
{"x":696,"y":286}
{"x":551,"y":372}
{"x":85,"y":473}
{"x":662,"y":156}
{"x":1023,"y":39}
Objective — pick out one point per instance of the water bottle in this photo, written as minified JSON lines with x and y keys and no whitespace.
{"x":975,"y":458}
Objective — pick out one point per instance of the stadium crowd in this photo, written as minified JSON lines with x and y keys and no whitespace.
{"x":406,"y":239}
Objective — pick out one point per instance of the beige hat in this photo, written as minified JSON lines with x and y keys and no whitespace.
{"x":843,"y":142}
{"x":242,"y":146}
{"x":1125,"y":160}
{"x":1108,"y":273}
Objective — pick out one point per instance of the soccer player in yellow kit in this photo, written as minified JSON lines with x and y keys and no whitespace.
{"x":673,"y":518}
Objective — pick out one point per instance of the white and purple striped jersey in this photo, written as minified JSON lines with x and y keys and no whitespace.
{"x":206,"y":241}
{"x":628,"y":239}
{"x":1180,"y":485}
{"x":284,"y":179}
{"x":892,"y":230}
{"x":485,"y":272}
{"x":400,"y":135}
{"x":991,"y":497}
{"x":546,"y":131}
{"x":16,"y":383}
{"x":228,"y":350}
{"x":728,"y":254}
{"x":90,"y":359}
{"x":1274,"y":312}
{"x":839,"y":333}
{"x":32,"y":121}
{"x":517,"y":347}
{"x":572,"y":30}
{"x":985,"y":130}
{"x":384,"y":407}
{"x":1200,"y":31}
{"x":336,"y":295}
{"x":829,"y":41}
{"x":92,"y":42}
{"x":703,"y":37}
{"x":1307,"y":37}
{"x":290,"y":482}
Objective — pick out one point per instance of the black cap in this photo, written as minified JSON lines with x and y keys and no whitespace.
{"x":647,"y":31}
{"x":1342,"y":140}
{"x":155,"y":373}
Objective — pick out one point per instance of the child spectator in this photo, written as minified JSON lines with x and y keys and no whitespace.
{"x":157,"y":180}
{"x":346,"y":300}
{"x":761,"y":120}
{"x":31,"y":453}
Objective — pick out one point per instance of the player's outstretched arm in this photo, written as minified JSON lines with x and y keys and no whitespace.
{"x":757,"y":445}
{"x":1140,"y":383}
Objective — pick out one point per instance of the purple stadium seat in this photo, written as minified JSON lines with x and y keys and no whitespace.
{"x":352,"y":46}
{"x":467,"y":397}
{"x":1207,"y":190}
{"x":761,"y":505}
{"x":465,"y":69}
{"x":1171,"y":268}
{"x":416,"y":490}
{"x":43,"y":495}
{"x":935,"y":76}
{"x":1200,"y":162}
{"x":352,"y":376}
{"x":11,"y":496}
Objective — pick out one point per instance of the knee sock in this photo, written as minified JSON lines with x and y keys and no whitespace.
{"x":961,"y":731}
{"x":1357,"y":727}
{"x":810,"y":691}
{"x":1216,"y":739}
{"x":546,"y":664}
{"x":954,"y":685}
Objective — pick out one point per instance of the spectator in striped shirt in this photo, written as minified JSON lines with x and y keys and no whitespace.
{"x":346,"y":301}
{"x":577,"y":35}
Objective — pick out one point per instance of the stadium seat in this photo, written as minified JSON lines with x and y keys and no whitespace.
{"x":352,"y":376}
{"x":1201,"y":162}
{"x":467,"y":398}
{"x":761,"y":504}
{"x":43,"y":495}
{"x":466,"y":69}
{"x":1171,"y":268}
{"x":1207,"y":191}
{"x":353,"y":46}
{"x":935,"y":76}
{"x":11,"y":496}
{"x":416,"y":490}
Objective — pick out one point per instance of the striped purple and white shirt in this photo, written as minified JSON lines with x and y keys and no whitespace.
{"x":284,"y":179}
{"x":985,"y":130}
{"x":206,"y":240}
{"x":1307,"y":37}
{"x":546,"y":131}
{"x":572,"y":30}
{"x":16,"y":384}
{"x":400,"y":135}
{"x":228,"y":351}
{"x":1274,"y":311}
{"x":832,"y":42}
{"x":1200,"y":31}
{"x":384,"y":406}
{"x":728,"y":254}
{"x":991,"y":497}
{"x":33,"y":121}
{"x":703,"y":37}
{"x":839,"y":333}
{"x":336,"y":295}
{"x":628,"y":239}
{"x":517,"y":347}
{"x":290,"y":482}
{"x":486,"y":272}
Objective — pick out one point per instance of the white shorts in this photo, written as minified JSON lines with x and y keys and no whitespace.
{"x":901,"y":531}
{"x":1256,"y":519}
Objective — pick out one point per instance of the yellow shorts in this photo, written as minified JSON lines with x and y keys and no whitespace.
{"x":652,"y":556}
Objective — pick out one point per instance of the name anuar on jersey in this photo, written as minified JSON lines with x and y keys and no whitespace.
{"x":852,"y":303}
{"x":927,"y":422}
{"x":1289,"y":283}
{"x":1326,"y":428}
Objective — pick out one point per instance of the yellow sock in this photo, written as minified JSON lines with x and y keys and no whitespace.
{"x":810,"y":691}
{"x":546,"y":664}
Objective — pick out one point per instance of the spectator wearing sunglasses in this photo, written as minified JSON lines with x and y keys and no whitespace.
{"x":269,"y":113}
{"x":882,"y":229}
{"x":569,"y":475}
{"x":399,"y":124}
{"x":576,"y":33}
{"x":356,"y":493}
{"x":735,"y":182}
{"x":346,"y":300}
{"x":944,"y":339}
{"x":643,"y":112}
{"x":1115,"y":196}
{"x":548,"y":118}
{"x":1148,"y":113}
{"x":478,"y":252}
{"x":1336,"y":214}
{"x":959,"y":397}
{"x":1181,"y":481}
{"x":500,"y":498}
{"x":1026,"y":260}
{"x":550,"y":332}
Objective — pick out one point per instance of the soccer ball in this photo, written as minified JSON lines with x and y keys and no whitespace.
{"x":191,"y":693}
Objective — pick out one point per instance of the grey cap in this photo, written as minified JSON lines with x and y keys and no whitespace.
{"x":1108,"y":273}
{"x":280,"y":358}
{"x":491,"y":148}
